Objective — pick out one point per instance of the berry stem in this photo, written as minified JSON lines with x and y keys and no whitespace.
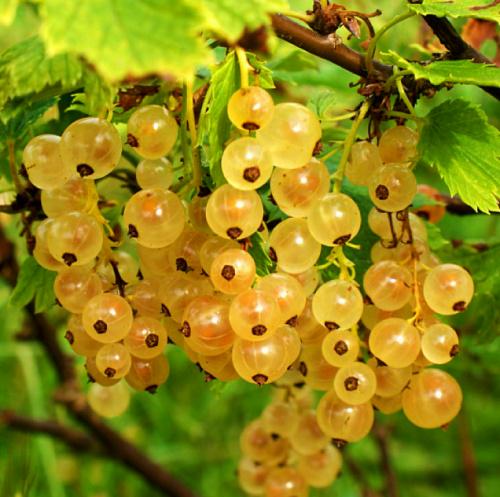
{"x":349,"y":141}
{"x":329,"y":154}
{"x":307,"y":18}
{"x":402,"y":93}
{"x":243,"y":63}
{"x":191,"y":121}
{"x":342,"y":117}
{"x":418,"y":309}
{"x":12,"y":165}
{"x":372,"y":47}
{"x":388,"y":84}
{"x":402,"y":115}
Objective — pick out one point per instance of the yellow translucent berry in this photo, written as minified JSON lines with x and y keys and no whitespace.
{"x":43,"y":162}
{"x":364,"y":160}
{"x":152,"y":131}
{"x":233,"y":213}
{"x":156,"y":173}
{"x":344,"y":422}
{"x":154,"y":217}
{"x":337,"y":304}
{"x":250,"y":108}
{"x":395,"y":342}
{"x":334,"y":219}
{"x":147,"y":338}
{"x":246,"y":164}
{"x":398,"y":144}
{"x":296,"y":190}
{"x":392,"y":187}
{"x":254,"y":314}
{"x":439,"y":343}
{"x":355,"y":383}
{"x":110,"y":401}
{"x":291,"y":136}
{"x":113,"y":360}
{"x":206,"y":325}
{"x":340,"y":348}
{"x":75,"y":286}
{"x":388,"y":284}
{"x":91,"y":147}
{"x":432,"y":399}
{"x":148,"y":374}
{"x":107,"y":317}
{"x":232,"y":271}
{"x":448,"y":289}
{"x":293,"y":247}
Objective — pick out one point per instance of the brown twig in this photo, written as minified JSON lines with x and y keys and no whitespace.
{"x":325,"y":47}
{"x":455,"y":205}
{"x":468,"y":457}
{"x":359,"y":476}
{"x":381,"y":434}
{"x":457,"y":47}
{"x":74,"y":439}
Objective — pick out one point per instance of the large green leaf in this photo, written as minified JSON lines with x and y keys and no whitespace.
{"x":33,"y":282}
{"x":128,"y":37}
{"x":483,"y":9}
{"x":458,"y":141}
{"x":215,"y":126}
{"x":454,"y":71}
{"x":25,"y":69}
{"x":7,"y":11}
{"x":228,"y":18}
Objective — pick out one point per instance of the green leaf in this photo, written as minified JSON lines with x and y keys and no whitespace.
{"x":44,"y":297}
{"x":482,"y":9}
{"x":436,"y":239}
{"x":228,"y":18}
{"x":214,"y":125}
{"x":273,"y":212}
{"x":454,"y":71}
{"x":18,"y":119}
{"x":264,"y":72}
{"x":26,"y":69}
{"x":36,"y":282}
{"x":322,"y":103}
{"x":8,"y":10}
{"x":259,"y":250}
{"x":458,"y":141}
{"x":126,"y":37}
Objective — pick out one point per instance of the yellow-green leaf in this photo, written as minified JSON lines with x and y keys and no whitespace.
{"x":465,"y":149}
{"x":8,"y":10}
{"x":482,"y":9}
{"x":128,"y":37}
{"x":228,"y":18}
{"x":454,"y":71}
{"x":25,"y":69}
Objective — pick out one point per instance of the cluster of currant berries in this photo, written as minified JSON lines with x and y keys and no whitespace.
{"x":196,"y":284}
{"x":284,"y":451}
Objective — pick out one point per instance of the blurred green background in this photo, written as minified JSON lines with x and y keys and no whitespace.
{"x":192,"y":428}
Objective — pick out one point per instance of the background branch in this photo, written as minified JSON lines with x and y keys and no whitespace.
{"x":457,"y":47}
{"x":381,"y":434}
{"x":74,"y":439}
{"x":359,"y":477}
